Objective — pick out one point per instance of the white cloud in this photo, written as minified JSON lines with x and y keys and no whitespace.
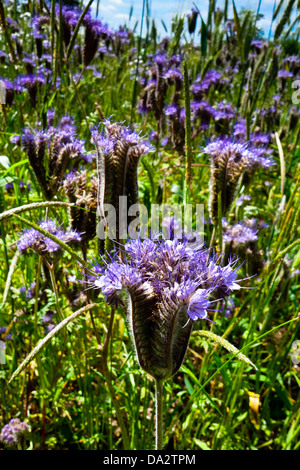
{"x":117,"y":2}
{"x":106,"y":9}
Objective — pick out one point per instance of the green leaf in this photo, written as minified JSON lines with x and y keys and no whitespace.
{"x":203,"y":38}
{"x":15,"y":165}
{"x":188,"y":385}
{"x":201,"y":444}
{"x":4,"y":161}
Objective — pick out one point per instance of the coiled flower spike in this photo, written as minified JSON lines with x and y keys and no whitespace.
{"x":170,"y":285}
{"x":231,"y":161}
{"x":118,"y":153}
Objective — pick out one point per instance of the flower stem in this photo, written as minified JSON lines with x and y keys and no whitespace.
{"x":159,"y":414}
{"x":107,"y":375}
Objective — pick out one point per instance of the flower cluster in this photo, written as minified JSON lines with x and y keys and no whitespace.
{"x":82,"y":193}
{"x":13,"y":431}
{"x":230,"y":161}
{"x":35,"y":240}
{"x":49,"y":153}
{"x":242,"y":239}
{"x":118,"y":153}
{"x":171,"y":284}
{"x":94,"y":31}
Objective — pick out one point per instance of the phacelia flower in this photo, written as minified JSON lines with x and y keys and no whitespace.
{"x":230,"y":161}
{"x":171,"y":284}
{"x":94,"y":31}
{"x":242,"y":240}
{"x":35,"y":240}
{"x":13,"y":431}
{"x":118,"y":153}
{"x":49,"y":153}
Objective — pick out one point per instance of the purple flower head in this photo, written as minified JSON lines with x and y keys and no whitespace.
{"x":285,"y":74}
{"x":230,"y":161}
{"x":239,"y":234}
{"x":202,"y":85}
{"x":170,"y":267}
{"x":94,"y":31}
{"x":170,"y":284}
{"x":12,"y":432}
{"x":224,"y":111}
{"x":33,"y":239}
{"x":160,"y":59}
{"x":171,"y":111}
{"x":173,"y":75}
{"x":203,"y":111}
{"x":114,"y":134}
{"x":242,"y":198}
{"x":38,"y":23}
{"x":238,"y":152}
{"x":31,"y":83}
{"x":224,"y":278}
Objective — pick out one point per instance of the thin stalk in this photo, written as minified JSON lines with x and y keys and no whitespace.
{"x":188,"y":145}
{"x":134,"y":91}
{"x":75,"y":33}
{"x":52,"y":29}
{"x":55,"y":291}
{"x":107,"y":375}
{"x":159,"y":383}
{"x":220,"y":228}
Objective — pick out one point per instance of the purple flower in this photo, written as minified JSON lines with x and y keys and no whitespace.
{"x":171,"y":267}
{"x":285,"y":74}
{"x":173,"y":75}
{"x":239,"y":152}
{"x":13,"y":431}
{"x":199,"y":304}
{"x":116,"y":133}
{"x":242,"y":198}
{"x":94,"y":31}
{"x":203,"y":111}
{"x":239,"y":234}
{"x":202,"y":85}
{"x":171,"y":284}
{"x":171,"y":111}
{"x":33,"y":239}
{"x":230,"y":161}
{"x":224,"y":111}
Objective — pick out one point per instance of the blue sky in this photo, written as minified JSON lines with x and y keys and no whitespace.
{"x":116,"y":12}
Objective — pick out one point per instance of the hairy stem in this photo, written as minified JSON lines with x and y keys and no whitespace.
{"x":159,"y":385}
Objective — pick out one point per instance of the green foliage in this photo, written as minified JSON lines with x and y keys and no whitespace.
{"x":78,"y":382}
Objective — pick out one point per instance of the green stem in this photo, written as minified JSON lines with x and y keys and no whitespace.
{"x":220,"y":228}
{"x":188,"y":145}
{"x":55,"y":291}
{"x":159,"y":414}
{"x":107,"y":375}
